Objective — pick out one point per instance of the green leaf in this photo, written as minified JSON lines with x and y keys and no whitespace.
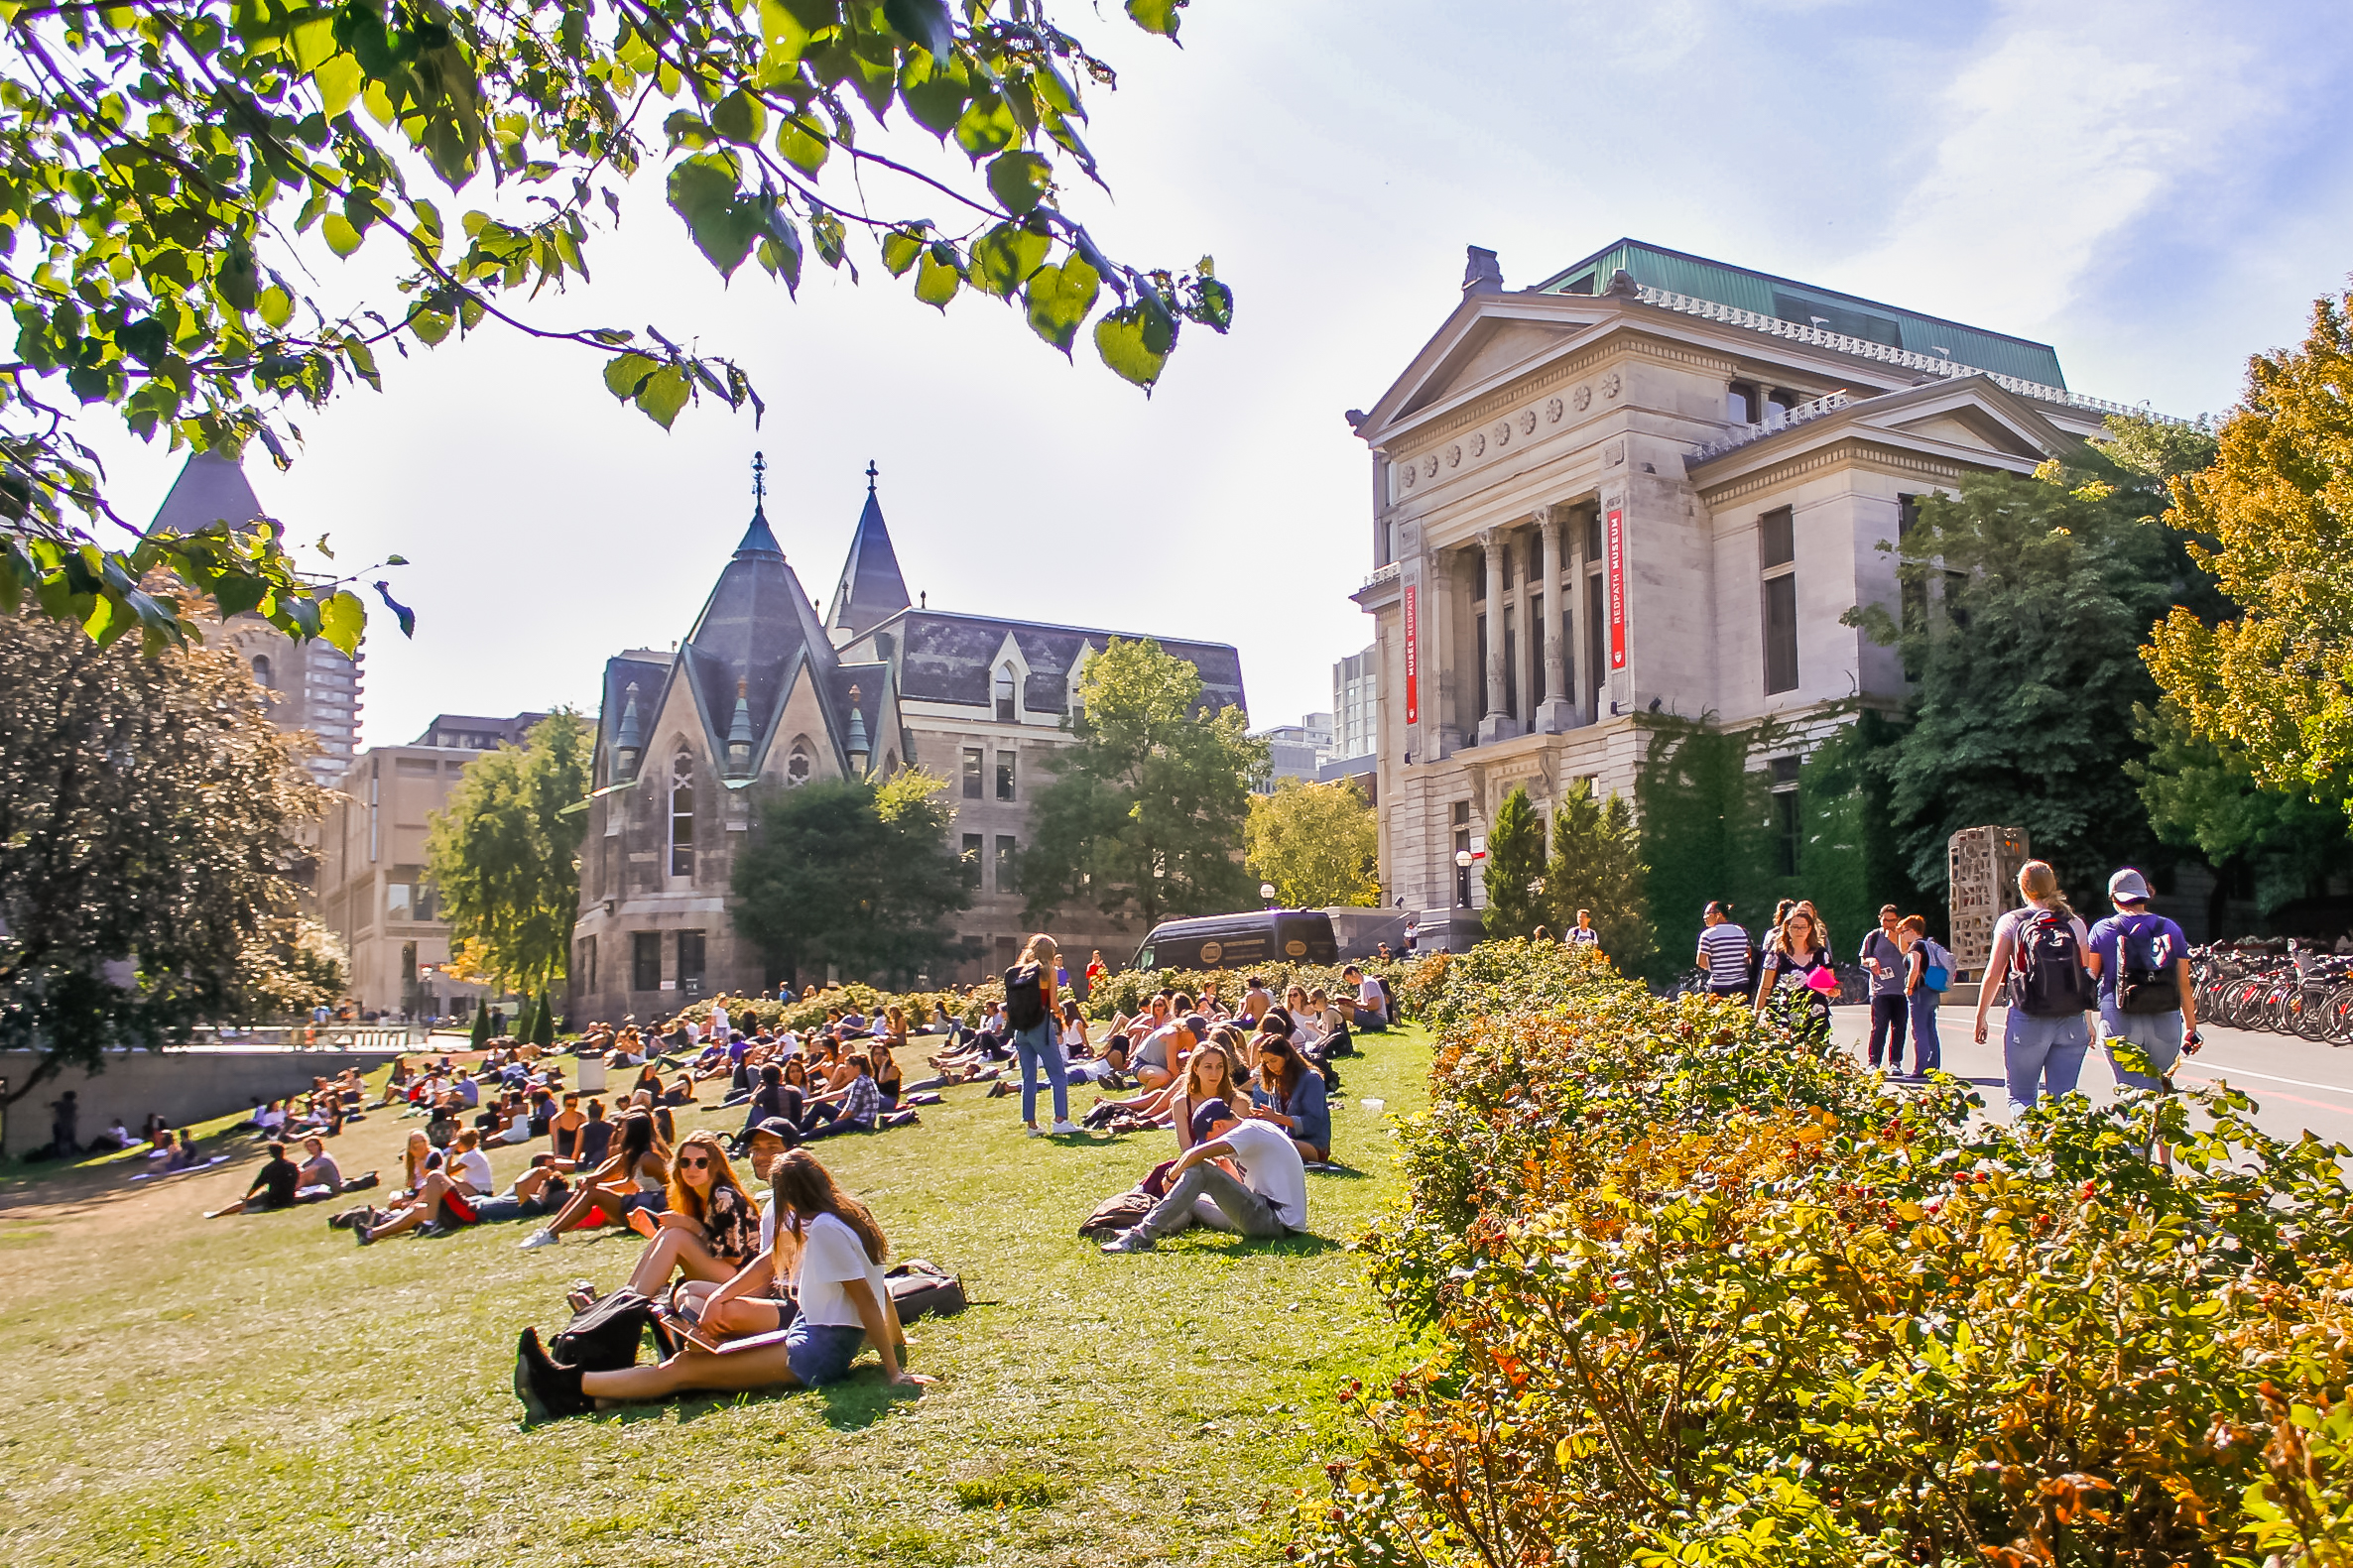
{"x":723,"y":220}
{"x":784,"y":31}
{"x":937,"y":279}
{"x":1020,"y":179}
{"x":1058,"y":299}
{"x":899,"y":247}
{"x":801,"y":144}
{"x":1005,"y":257}
{"x":341,"y":620}
{"x":338,"y":81}
{"x":935,"y":92}
{"x":663,"y":395}
{"x":342,"y":237}
{"x":624,"y":374}
{"x":924,"y":23}
{"x":432,"y":326}
{"x":1157,"y":16}
{"x":780,"y":247}
{"x":986,"y":127}
{"x":740,"y":118}
{"x":1125,"y":339}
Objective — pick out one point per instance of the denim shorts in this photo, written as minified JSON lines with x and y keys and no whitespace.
{"x":821,"y":1353}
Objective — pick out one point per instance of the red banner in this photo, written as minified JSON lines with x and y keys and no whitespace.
{"x":1412,"y":659}
{"x":1614,"y":547}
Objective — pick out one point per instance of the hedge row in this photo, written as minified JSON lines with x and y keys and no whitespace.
{"x":1698,"y":1292}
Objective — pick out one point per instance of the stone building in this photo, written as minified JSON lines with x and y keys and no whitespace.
{"x":767,"y":691}
{"x":1652,"y":483}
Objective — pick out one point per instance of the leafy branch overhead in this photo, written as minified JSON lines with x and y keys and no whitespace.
{"x":178,"y":177}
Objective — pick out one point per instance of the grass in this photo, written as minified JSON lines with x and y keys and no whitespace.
{"x":256,"y":1390}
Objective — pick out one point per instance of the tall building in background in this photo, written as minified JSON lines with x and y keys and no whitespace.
{"x":314,"y":688}
{"x":1356,"y":705}
{"x":1296,"y":751}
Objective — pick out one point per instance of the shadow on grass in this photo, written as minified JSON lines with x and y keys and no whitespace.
{"x":850,"y":1406}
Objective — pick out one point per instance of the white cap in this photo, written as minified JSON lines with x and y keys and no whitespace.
{"x":2127,"y":887}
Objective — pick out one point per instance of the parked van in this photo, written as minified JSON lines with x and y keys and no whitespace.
{"x":1236,"y":942}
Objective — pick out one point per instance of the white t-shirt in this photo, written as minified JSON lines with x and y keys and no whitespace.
{"x":1272,"y":1168}
{"x":1370,"y":995}
{"x":473,"y":1168}
{"x":2009,"y":923}
{"x":768,"y":1222}
{"x":831,"y":1256}
{"x":719,"y":1023}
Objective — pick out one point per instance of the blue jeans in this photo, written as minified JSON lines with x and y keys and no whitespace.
{"x":821,"y":1353}
{"x":1887,"y":1024}
{"x":2158,"y":1033}
{"x":1928,"y":1052}
{"x":2045,"y":1053}
{"x":1038,"y":1047}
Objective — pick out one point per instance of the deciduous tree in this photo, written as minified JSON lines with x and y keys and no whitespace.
{"x":1515,"y":876}
{"x":504,"y":849}
{"x":179,"y":179}
{"x":147,"y":811}
{"x":1317,"y":843}
{"x":1147,"y":811}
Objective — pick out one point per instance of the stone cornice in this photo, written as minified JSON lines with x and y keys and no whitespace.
{"x":1851,"y":450}
{"x":1549,"y":376}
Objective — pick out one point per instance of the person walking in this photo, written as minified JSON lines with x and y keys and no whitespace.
{"x":1883,"y":956}
{"x":1798,"y":962}
{"x":2038,"y":953}
{"x":1723,"y":951}
{"x":1927,"y":972}
{"x":1030,"y":1009}
{"x":2140,"y":962}
{"x":1582,"y":933}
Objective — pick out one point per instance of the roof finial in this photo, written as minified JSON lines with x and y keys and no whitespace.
{"x":870,"y":472}
{"x":758,"y":479}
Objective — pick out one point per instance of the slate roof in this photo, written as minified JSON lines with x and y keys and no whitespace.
{"x":872,"y":589}
{"x":211,"y":489}
{"x":950,"y":657}
{"x":757,"y":628}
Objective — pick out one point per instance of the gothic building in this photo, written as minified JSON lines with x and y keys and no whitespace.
{"x":1652,"y":483}
{"x":767,"y":692}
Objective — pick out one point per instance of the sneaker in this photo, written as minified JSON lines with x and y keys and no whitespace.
{"x":365,"y":1234}
{"x":1064,"y":1127}
{"x":1034,"y":1132}
{"x":1135,"y":1241}
{"x":536,"y":1239}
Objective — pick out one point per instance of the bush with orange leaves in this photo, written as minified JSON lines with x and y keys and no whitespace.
{"x":1700,"y":1292}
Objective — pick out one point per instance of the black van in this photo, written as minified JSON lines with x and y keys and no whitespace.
{"x":1236,"y":942}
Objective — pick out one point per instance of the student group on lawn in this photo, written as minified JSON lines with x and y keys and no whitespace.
{"x":781,"y":1281}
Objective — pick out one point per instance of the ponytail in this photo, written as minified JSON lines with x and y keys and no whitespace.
{"x":2040,"y":886}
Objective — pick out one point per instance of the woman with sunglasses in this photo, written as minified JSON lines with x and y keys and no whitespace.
{"x":1290,"y":1095}
{"x":828,"y":1256}
{"x":637,"y":1176}
{"x":711,"y":1228}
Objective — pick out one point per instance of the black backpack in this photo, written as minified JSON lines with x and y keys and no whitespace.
{"x":2047,"y":979}
{"x":2144,"y":987}
{"x":920,"y":1289}
{"x":1025,"y":997}
{"x":604,"y":1337}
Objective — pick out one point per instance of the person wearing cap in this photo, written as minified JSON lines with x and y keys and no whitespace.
{"x":2135,"y":940}
{"x":1723,"y":951}
{"x":1268,"y":1201}
{"x":1883,"y":956}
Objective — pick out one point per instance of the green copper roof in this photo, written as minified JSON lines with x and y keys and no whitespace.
{"x":1803,"y":303}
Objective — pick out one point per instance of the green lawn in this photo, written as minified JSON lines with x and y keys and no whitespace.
{"x":258,"y":1391}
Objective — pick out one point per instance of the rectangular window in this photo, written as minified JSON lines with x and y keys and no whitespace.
{"x":1005,"y":776}
{"x":1505,"y":549}
{"x":972,"y":770}
{"x":585,"y":966}
{"x":1005,"y":847}
{"x":645,"y":960}
{"x":1787,"y":833}
{"x":1568,"y":652}
{"x":1593,"y":623}
{"x":1781,"y":632}
{"x":1479,"y":665}
{"x":399,"y":899}
{"x":1511,"y":663}
{"x":1593,"y":536}
{"x":1478,"y":576}
{"x":972,"y":849}
{"x":690,"y":959}
{"x":1535,"y":633}
{"x":1777,"y":539}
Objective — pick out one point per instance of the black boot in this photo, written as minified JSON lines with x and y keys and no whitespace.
{"x":547,"y":1391}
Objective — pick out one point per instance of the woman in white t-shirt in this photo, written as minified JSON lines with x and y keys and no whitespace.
{"x":2044,"y":1041}
{"x":827,"y":1245}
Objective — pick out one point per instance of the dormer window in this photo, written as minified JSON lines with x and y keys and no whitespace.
{"x":1004,"y":693}
{"x":682,"y":815}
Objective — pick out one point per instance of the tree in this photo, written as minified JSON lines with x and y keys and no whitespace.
{"x":527,"y":1019}
{"x":1597,"y":865}
{"x":1147,"y":811}
{"x":2272,"y":679}
{"x":147,"y":811}
{"x":2204,"y":795}
{"x":842,"y":873}
{"x":176,"y":178}
{"x":478,"y":1035}
{"x":1516,"y":903}
{"x":291,"y":965}
{"x":1317,"y":843}
{"x":543,"y":1022}
{"x":504,"y":849}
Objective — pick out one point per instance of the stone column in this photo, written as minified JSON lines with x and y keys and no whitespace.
{"x":1498,"y":724}
{"x":1559,"y":710}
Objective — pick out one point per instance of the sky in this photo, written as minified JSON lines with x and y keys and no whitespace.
{"x":2156,"y":189}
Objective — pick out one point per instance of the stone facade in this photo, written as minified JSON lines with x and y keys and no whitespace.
{"x":1595,"y":505}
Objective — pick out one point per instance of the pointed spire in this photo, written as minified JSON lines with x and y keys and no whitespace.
{"x":871,"y":589}
{"x":739,"y":733}
{"x":758,"y":538}
{"x":627,"y":743}
{"x":859,"y":748}
{"x":869,"y":476}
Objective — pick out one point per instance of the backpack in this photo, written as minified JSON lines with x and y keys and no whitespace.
{"x":2144,"y":987}
{"x":920,"y":1289}
{"x":1025,"y":997}
{"x":1936,"y":969}
{"x":2047,"y":979}
{"x":605,"y":1335}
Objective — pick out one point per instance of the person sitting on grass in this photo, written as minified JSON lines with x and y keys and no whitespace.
{"x":445,"y":1200}
{"x":595,"y":1141}
{"x":711,"y":1227}
{"x":1372,"y":1003}
{"x":827,"y":1255}
{"x":1212,"y":1073}
{"x":1290,"y":1095}
{"x":855,"y":1107}
{"x":768,"y":1102}
{"x":1155,"y":1060}
{"x":273,"y":1185}
{"x":1268,"y":1201}
{"x":321,"y":1177}
{"x":636,"y":1176}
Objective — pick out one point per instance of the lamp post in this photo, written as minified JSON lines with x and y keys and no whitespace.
{"x":1266,"y":893}
{"x":1462,"y":860}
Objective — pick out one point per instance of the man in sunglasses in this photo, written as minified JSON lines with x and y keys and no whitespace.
{"x":1269,"y":1200}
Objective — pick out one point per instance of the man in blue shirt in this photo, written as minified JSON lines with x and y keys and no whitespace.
{"x":2129,"y":945}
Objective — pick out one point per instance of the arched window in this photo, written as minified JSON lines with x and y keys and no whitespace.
{"x":261,"y":668}
{"x":1004,"y":693}
{"x":889,"y":764}
{"x":797,"y":765}
{"x":682,"y":815}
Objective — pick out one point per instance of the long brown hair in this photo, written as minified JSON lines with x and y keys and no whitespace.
{"x":2039,"y":884}
{"x":1813,"y":935}
{"x":684,"y":1199}
{"x":804,"y":1188}
{"x":1216,"y":1046}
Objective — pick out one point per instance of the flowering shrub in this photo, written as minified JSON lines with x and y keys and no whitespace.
{"x":1128,"y":990}
{"x":1698,"y":1292}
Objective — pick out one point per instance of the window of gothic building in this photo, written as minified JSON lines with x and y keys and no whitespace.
{"x":1004,"y":694}
{"x":261,"y":668}
{"x":682,"y":815}
{"x":797,"y":766}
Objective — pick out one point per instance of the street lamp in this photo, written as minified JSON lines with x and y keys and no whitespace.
{"x":1266,"y":893}
{"x":1462,"y":860}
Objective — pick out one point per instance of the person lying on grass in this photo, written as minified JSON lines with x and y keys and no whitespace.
{"x":828,"y":1256}
{"x":1268,"y":1200}
{"x":445,"y":1200}
{"x":711,"y":1227}
{"x":636,"y":1176}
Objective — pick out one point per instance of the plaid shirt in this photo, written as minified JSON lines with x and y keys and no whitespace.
{"x":864,"y":1102}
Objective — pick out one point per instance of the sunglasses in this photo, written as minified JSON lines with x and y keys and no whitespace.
{"x":696,"y":1164}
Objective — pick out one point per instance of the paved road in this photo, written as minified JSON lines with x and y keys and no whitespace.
{"x":2298,"y":1085}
